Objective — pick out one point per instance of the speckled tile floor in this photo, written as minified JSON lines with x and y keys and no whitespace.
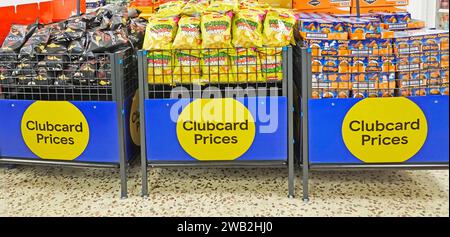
{"x":55,"y":191}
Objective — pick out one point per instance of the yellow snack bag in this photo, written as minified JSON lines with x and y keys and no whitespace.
{"x":271,"y":64}
{"x":169,"y":9}
{"x":246,"y":65}
{"x":216,"y":30}
{"x":216,"y":67}
{"x":223,"y":6}
{"x":188,"y":34}
{"x":187,"y":68}
{"x":278,"y":29}
{"x":159,"y":33}
{"x":247,"y":29}
{"x":195,"y":7}
{"x":160,"y":65}
{"x":252,"y":4}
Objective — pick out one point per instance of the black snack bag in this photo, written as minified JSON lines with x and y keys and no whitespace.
{"x":6,"y":75}
{"x":86,"y":73}
{"x":133,"y":13}
{"x":99,"y":41}
{"x":104,"y":11}
{"x":57,"y":31}
{"x":104,"y":71}
{"x":43,"y":77}
{"x":16,"y":38}
{"x":137,"y":31}
{"x":75,"y":29}
{"x":25,"y":80}
{"x":120,"y":39}
{"x":106,"y":41}
{"x":106,"y":23}
{"x":36,"y":43}
{"x":77,"y":46}
{"x":102,"y":15}
{"x":62,"y":80}
{"x":8,"y":59}
{"x":55,"y":48}
{"x":55,"y":62}
{"x":117,"y":22}
{"x":24,"y":68}
{"x":91,"y":20}
{"x":69,"y":74}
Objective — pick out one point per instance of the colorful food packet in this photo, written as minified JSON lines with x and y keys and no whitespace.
{"x":160,"y":65}
{"x":195,"y":7}
{"x":279,"y":29}
{"x":17,"y":36}
{"x":160,"y":33}
{"x":187,"y":68}
{"x":188,"y":34}
{"x":247,"y":29}
{"x":223,"y":6}
{"x":253,"y":4}
{"x":36,"y":43}
{"x":216,"y":30}
{"x":216,"y":67}
{"x":271,"y":64}
{"x":246,"y":65}
{"x":170,"y":9}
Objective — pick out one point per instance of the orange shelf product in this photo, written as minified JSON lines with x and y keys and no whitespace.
{"x":380,"y":3}
{"x":278,"y":3}
{"x":311,"y":4}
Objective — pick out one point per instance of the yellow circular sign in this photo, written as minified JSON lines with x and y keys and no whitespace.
{"x":215,"y":129}
{"x":384,"y":130}
{"x":134,"y":120}
{"x":55,"y":130}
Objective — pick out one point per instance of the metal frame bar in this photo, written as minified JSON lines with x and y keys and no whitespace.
{"x":143,"y":94}
{"x":78,"y":7}
{"x":289,"y":163}
{"x":358,"y":9}
{"x":305,"y":95}
{"x":417,"y":166}
{"x":219,"y":164}
{"x":290,"y":123}
{"x":117,"y":78}
{"x":19,"y":161}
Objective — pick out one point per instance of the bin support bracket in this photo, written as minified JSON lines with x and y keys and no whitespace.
{"x":305,"y":88}
{"x":142,"y":63}
{"x":290,"y":104}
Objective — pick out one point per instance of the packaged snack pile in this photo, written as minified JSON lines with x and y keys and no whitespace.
{"x":423,"y":62}
{"x":188,"y":35}
{"x":216,"y":30}
{"x":412,"y":63}
{"x":68,"y":52}
{"x":376,"y":55}
{"x":160,"y":33}
{"x":228,"y":41}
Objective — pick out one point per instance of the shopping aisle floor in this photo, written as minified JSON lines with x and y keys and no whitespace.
{"x":54,"y":191}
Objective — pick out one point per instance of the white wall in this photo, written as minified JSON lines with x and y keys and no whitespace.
{"x":424,"y":10}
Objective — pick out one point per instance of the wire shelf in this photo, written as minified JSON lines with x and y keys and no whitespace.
{"x":391,"y":70}
{"x":65,"y":76}
{"x":225,"y":72}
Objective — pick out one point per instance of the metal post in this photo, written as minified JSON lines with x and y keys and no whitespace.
{"x":305,"y":84}
{"x":119,"y":99}
{"x":142,"y":66}
{"x":290,"y":111}
{"x":78,"y":7}
{"x":358,"y":9}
